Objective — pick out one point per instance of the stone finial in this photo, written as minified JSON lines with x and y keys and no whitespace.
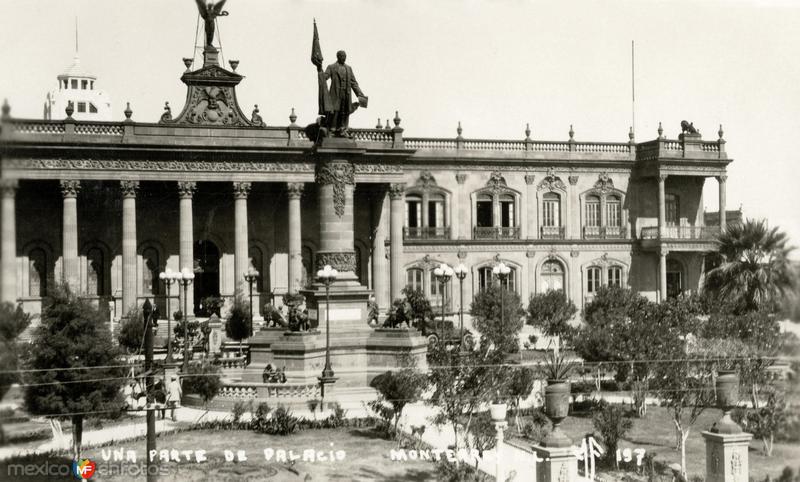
{"x":396,"y":118}
{"x":188,"y":61}
{"x":70,"y":109}
{"x":571,"y":133}
{"x":6,"y":109}
{"x":167,"y":115}
{"x":233,"y":64}
{"x":292,"y":116}
{"x":128,"y":112}
{"x":387,"y":125}
{"x":660,"y":131}
{"x":255,"y":117}
{"x":378,"y":125}
{"x":720,"y":132}
{"x":630,"y":134}
{"x":527,"y":132}
{"x":459,"y":130}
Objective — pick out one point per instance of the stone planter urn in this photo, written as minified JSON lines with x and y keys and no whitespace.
{"x":556,"y":400}
{"x":498,"y":412}
{"x":726,"y":389}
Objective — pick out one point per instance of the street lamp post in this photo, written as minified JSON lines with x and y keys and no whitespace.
{"x":251,"y":276}
{"x":185,"y":278}
{"x":461,"y":273}
{"x":168,"y":277}
{"x":326,"y":276}
{"x":502,"y":271}
{"x":443,"y":274}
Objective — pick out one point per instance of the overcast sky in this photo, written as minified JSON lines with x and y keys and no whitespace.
{"x":494,"y":66}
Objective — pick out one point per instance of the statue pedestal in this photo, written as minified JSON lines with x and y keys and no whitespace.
{"x":727,"y":457}
{"x":555,"y":464}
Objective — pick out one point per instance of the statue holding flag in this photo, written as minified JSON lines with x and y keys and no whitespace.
{"x":210,"y":11}
{"x":336,"y":104}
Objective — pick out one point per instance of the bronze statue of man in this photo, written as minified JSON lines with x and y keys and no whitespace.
{"x":210,"y":11}
{"x":341,"y":100}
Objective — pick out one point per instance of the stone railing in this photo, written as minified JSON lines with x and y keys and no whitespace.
{"x":705,"y":233}
{"x":36,"y":127}
{"x":602,"y":232}
{"x":269,"y":391}
{"x":552,"y":232}
{"x":420,"y":143}
{"x":496,"y":232}
{"x":689,"y":148}
{"x":373,"y":135}
{"x":432,"y":232}
{"x":99,"y":129}
{"x":233,"y":362}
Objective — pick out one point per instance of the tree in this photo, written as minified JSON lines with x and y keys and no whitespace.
{"x":753,"y":271}
{"x":79,"y":373}
{"x":605,"y":318}
{"x":613,"y":423}
{"x":501,"y":332}
{"x":398,"y":388}
{"x":13,"y":321}
{"x":237,"y":326}
{"x":204,"y":380}
{"x":551,"y":312}
{"x":131,"y":334}
{"x":414,"y":309}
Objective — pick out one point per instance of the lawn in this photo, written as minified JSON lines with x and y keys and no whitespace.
{"x":366,"y":457}
{"x":655,"y":433}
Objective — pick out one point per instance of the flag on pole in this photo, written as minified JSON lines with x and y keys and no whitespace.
{"x":316,"y":50}
{"x":324,"y":98}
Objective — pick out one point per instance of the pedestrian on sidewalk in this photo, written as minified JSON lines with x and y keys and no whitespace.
{"x":174,"y":394}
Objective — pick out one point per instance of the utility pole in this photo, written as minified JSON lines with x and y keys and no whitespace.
{"x":147,"y":312}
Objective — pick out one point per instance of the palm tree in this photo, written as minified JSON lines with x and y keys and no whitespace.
{"x":753,"y":272}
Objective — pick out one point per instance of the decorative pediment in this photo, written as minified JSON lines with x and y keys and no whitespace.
{"x":496,"y":182}
{"x":426,"y":180}
{"x":604,"y":183}
{"x":551,"y":182}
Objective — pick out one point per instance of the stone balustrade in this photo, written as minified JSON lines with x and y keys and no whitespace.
{"x":705,"y":233}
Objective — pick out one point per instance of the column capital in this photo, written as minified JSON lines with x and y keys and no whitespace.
{"x":129,"y":187}
{"x":662,"y":177}
{"x":397,"y":190}
{"x":70,"y":188}
{"x":8,"y":187}
{"x":241,"y":189}
{"x":295,"y":189}
{"x":663,"y":252}
{"x":186,"y":189}
{"x":722,"y":179}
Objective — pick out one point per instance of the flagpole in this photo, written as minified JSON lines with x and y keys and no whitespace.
{"x":633,"y":89}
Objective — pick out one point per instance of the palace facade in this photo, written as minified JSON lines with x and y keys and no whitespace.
{"x":107,"y":206}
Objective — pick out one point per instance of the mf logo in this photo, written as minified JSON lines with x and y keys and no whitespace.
{"x":83,"y":469}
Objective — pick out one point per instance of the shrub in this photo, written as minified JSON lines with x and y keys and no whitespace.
{"x":204,"y":380}
{"x":131,"y":333}
{"x":239,"y":408}
{"x":537,"y":427}
{"x":397,"y":388}
{"x":450,"y":472}
{"x":414,"y":309}
{"x":259,"y":420}
{"x":612,"y":422}
{"x":237,"y":326}
{"x":501,"y":331}
{"x":551,"y":311}
{"x":282,"y":422}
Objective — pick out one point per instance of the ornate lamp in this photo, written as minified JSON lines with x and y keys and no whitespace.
{"x":251,"y":276}
{"x":168,"y":277}
{"x":502,"y":271}
{"x":443,"y":273}
{"x":185,"y":278}
{"x":461,"y":273}
{"x":327,"y":276}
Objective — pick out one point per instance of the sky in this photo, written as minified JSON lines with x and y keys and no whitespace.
{"x":492,"y":65}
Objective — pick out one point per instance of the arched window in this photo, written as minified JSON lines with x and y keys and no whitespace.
{"x":592,"y":211}
{"x":613,"y":211}
{"x":615,"y":276}
{"x":150,"y":271}
{"x":95,"y":272}
{"x":552,"y":276}
{"x":672,"y":209}
{"x":486,"y":277}
{"x":593,"y":280}
{"x":414,"y":279}
{"x":437,"y":295}
{"x":37,"y":272}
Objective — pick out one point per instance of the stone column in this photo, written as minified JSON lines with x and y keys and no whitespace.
{"x":662,"y":274}
{"x":662,"y":209}
{"x":722,"y":180}
{"x":573,"y":211}
{"x":295,"y":192}
{"x":69,"y":232}
{"x":380,"y":273}
{"x":397,"y":195}
{"x":462,"y":214}
{"x":186,"y":190}
{"x":336,"y":180}
{"x":8,"y":241}
{"x":241,"y":258}
{"x":129,"y":284}
{"x":727,"y":456}
{"x":529,"y":206}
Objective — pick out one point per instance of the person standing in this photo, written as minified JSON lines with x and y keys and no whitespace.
{"x":174,"y":394}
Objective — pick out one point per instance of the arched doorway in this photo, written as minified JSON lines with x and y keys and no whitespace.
{"x":206,"y":270}
{"x":552,"y":276}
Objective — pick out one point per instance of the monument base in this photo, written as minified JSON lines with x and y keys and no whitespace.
{"x":555,"y":464}
{"x":727,"y":456}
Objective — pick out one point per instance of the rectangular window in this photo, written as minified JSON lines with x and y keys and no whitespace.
{"x":92,"y":108}
{"x":81,"y":106}
{"x":507,"y":213}
{"x":550,"y":213}
{"x":613,"y":217}
{"x":484,"y":278}
{"x":593,"y":213}
{"x":484,"y":214}
{"x":437,"y":295}
{"x":615,"y":277}
{"x":672,"y":210}
{"x":74,"y":83}
{"x":414,"y":279}
{"x":413,"y":214}
{"x":435,"y":214}
{"x":84,"y":84}
{"x":592,"y":280}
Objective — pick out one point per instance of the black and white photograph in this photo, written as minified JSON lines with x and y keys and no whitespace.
{"x":443,"y":240}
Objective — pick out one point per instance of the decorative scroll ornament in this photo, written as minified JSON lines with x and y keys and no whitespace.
{"x":341,"y":262}
{"x":551,"y":182}
{"x":241,"y":190}
{"x":338,"y":175}
{"x":604,"y":183}
{"x":496,"y":182}
{"x":129,"y":188}
{"x":426,"y":180}
{"x":70,"y":187}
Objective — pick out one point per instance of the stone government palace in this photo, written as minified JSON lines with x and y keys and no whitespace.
{"x":108,"y":205}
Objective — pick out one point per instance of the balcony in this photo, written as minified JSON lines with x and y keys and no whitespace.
{"x":701,"y":233}
{"x":429,"y":232}
{"x":496,"y":232}
{"x":552,"y":232}
{"x":603,"y":232}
